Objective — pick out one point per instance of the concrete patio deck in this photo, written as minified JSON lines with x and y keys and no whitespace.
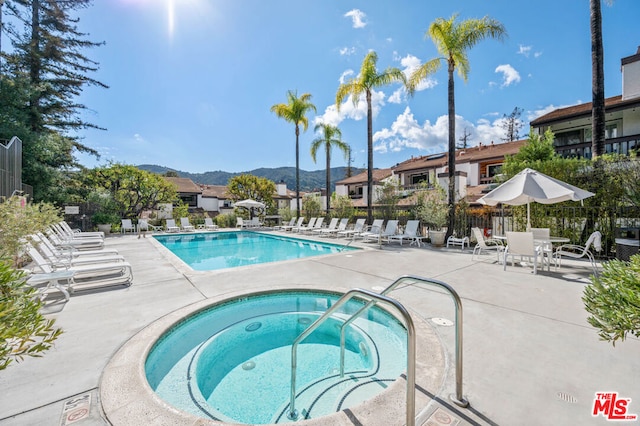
{"x":530,"y":357}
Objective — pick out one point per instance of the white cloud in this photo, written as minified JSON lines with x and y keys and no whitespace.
{"x":346,"y":51}
{"x":411,"y":63}
{"x":138,"y":138}
{"x":537,"y":54}
{"x":524,"y":50}
{"x":396,"y":97}
{"x":344,"y":75}
{"x":509,"y":75}
{"x":357,"y":17}
{"x":349,"y":110}
{"x":532,"y":115}
{"x":406,"y":132}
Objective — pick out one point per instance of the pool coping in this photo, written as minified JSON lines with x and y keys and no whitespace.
{"x":127,"y":398}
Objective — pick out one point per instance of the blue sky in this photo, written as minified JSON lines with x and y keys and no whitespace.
{"x":192,"y":81}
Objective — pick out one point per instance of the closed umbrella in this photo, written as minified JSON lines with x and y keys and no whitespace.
{"x":530,"y":185}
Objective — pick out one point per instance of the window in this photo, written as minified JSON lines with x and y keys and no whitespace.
{"x":568,"y":138}
{"x":494,"y":169}
{"x":416,"y":179}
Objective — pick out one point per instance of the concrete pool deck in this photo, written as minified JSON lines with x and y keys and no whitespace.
{"x":530,"y":357}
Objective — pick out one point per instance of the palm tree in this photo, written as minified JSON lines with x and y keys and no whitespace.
{"x":368,"y":79}
{"x":597,"y":80}
{"x":294,"y":111}
{"x":453,"y":40}
{"x":331,"y":137}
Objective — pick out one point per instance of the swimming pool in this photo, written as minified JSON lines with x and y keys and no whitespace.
{"x":232,"y":362}
{"x":220,"y":250}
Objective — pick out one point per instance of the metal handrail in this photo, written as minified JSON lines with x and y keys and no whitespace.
{"x":458,"y":398}
{"x":411,"y":348}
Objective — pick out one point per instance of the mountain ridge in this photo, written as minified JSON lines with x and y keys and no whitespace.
{"x":309,"y":180}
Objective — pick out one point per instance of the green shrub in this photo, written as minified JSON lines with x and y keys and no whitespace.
{"x":23,"y":329}
{"x":226,"y":220}
{"x":613,"y":300}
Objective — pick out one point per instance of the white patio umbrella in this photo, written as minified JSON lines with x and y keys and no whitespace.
{"x":530,"y":185}
{"x":250,"y":204}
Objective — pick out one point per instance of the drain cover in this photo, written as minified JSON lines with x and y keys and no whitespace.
{"x":441,"y":418}
{"x":442,"y":321}
{"x":563,"y":396}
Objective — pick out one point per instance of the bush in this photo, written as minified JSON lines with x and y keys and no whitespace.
{"x":23,"y":330}
{"x":312,"y":207}
{"x":613,"y":300}
{"x":226,"y":220}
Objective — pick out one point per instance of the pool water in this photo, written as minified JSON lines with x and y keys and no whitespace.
{"x":232,"y":362}
{"x":220,"y":250}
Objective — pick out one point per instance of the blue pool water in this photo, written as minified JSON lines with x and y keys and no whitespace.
{"x":232,"y":362}
{"x":220,"y":250}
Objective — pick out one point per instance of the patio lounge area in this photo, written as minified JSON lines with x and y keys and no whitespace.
{"x":530,"y":357}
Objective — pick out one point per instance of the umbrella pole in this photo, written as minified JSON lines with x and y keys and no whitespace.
{"x":528,"y":217}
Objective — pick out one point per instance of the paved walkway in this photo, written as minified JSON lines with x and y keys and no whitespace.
{"x":530,"y":357}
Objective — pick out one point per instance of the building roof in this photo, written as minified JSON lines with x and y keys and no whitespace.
{"x":378,"y":175}
{"x":185,"y":185}
{"x":214,"y":191}
{"x":583,"y":110}
{"x":632,"y":58}
{"x":474,"y":154}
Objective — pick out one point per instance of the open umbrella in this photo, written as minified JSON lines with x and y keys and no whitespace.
{"x":250,"y":204}
{"x":530,"y":185}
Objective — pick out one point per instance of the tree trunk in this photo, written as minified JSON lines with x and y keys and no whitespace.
{"x":597,"y":81}
{"x":452,"y":150}
{"x":369,"y":159}
{"x":328,"y":178}
{"x":297,"y":170}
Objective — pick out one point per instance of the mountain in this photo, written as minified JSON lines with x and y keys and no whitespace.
{"x":308,"y":180}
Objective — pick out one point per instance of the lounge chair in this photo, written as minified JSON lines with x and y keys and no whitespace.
{"x":308,"y":226}
{"x":317,"y":225}
{"x":299,"y":223}
{"x":282,"y":227}
{"x":64,"y":234}
{"x":170,"y":226}
{"x":127,"y":226}
{"x":342,"y":226}
{"x":487,"y":244}
{"x":71,"y":252}
{"x":78,"y":244}
{"x":89,"y":276}
{"x":331,"y":227}
{"x":208,"y":225}
{"x":63,"y":260}
{"x":350,"y":233}
{"x":577,"y":252}
{"x":521,"y":244}
{"x":382,"y":234}
{"x":410,"y":233}
{"x":185,"y":225}
{"x":78,"y":233}
{"x":374,"y":229}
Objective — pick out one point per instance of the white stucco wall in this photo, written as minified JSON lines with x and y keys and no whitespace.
{"x":631,"y":122}
{"x":208,"y":204}
{"x":342,"y":190}
{"x":631,"y":80}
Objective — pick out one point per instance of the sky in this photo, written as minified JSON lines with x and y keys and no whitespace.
{"x":191,"y":82}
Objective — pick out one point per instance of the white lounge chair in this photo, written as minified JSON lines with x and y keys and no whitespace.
{"x":89,"y":276}
{"x":170,"y":226}
{"x":342,"y":226}
{"x":65,"y":233}
{"x":127,"y":225}
{"x":61,"y":260}
{"x":317,"y":225}
{"x":487,"y":244}
{"x":185,"y":225}
{"x":208,"y":225}
{"x":71,"y":252}
{"x":79,"y":244}
{"x":332,"y":226}
{"x":78,"y":233}
{"x":298,"y":223}
{"x":382,"y":234}
{"x":358,"y":227}
{"x":308,"y":226}
{"x":577,"y":252}
{"x":521,"y":244}
{"x":374,"y":229}
{"x":410,"y":233}
{"x":282,"y":227}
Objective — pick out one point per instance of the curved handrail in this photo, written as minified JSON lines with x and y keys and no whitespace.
{"x":411,"y":348}
{"x":458,"y":398}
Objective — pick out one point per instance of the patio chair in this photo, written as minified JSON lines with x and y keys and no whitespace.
{"x":78,"y":233}
{"x":66,"y":234}
{"x":330,"y":228}
{"x":542,"y":236}
{"x":342,"y":226}
{"x":78,"y":244}
{"x":71,"y":252}
{"x":577,"y":252}
{"x":317,"y":225}
{"x":487,"y":244}
{"x":410,"y":233}
{"x":144,"y":225}
{"x":208,"y":225}
{"x":374,"y":229}
{"x":62,"y":260}
{"x":350,"y":233}
{"x":521,"y":244}
{"x":390,"y":229}
{"x":309,"y":225}
{"x":170,"y":226}
{"x":127,"y":226}
{"x":297,"y":224}
{"x":282,"y":227}
{"x":88,"y":276}
{"x":185,"y":225}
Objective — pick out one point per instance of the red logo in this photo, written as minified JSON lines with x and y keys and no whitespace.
{"x":611,"y":407}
